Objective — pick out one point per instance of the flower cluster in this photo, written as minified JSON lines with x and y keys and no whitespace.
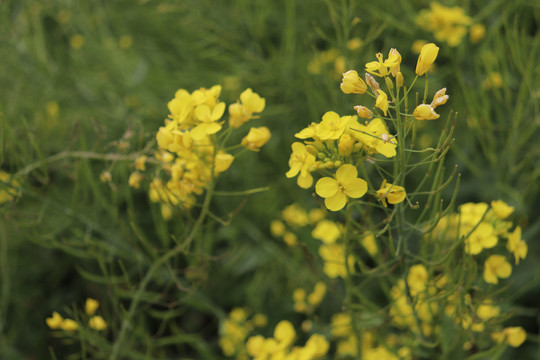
{"x":482,"y":227}
{"x":191,"y":144}
{"x":96,"y":322}
{"x":448,"y":24}
{"x":235,"y":329}
{"x":280,"y":346}
{"x":344,"y":142}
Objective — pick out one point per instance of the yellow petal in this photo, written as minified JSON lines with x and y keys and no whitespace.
{"x":356,"y":188}
{"x":346,"y":173}
{"x":326,"y":187}
{"x":336,"y":202}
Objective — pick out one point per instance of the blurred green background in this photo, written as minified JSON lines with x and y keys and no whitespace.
{"x":96,"y":76}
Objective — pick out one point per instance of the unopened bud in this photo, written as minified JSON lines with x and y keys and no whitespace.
{"x":399,"y":79}
{"x":389,"y":83}
{"x":373,"y":84}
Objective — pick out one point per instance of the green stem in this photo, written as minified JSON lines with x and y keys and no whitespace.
{"x":179,"y":248}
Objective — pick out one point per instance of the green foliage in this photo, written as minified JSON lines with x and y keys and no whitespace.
{"x":85,"y":86}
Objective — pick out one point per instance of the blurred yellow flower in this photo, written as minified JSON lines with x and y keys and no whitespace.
{"x":496,"y":267}
{"x":513,"y":336}
{"x":447,"y":24}
{"x":97,"y":323}
{"x":516,"y":245}
{"x":501,"y":209}
{"x":90,"y":306}
{"x":55,"y":321}
{"x":76,"y":41}
{"x":301,"y":162}
{"x":256,"y":138}
{"x":477,"y":33}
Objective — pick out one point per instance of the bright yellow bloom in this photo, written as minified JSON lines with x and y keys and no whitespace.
{"x":241,"y":112}
{"x":295,"y":215}
{"x":513,"y":336}
{"x":352,"y":83}
{"x":392,"y":193}
{"x":501,"y":209}
{"x":383,"y":68}
{"x":382,"y":101}
{"x":425,"y":112}
{"x":427,"y":57}
{"x":363,"y":112}
{"x":301,"y":162}
{"x":55,"y":322}
{"x":97,"y":323}
{"x":69,"y":325}
{"x":375,"y":137}
{"x":256,"y":138}
{"x":207,"y":119}
{"x":516,"y":245}
{"x":335,"y":191}
{"x":417,"y":279}
{"x":332,"y":126}
{"x":90,"y":306}
{"x":496,"y":267}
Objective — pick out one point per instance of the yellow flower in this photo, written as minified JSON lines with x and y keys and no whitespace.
{"x":8,"y":187}
{"x":334,"y":260}
{"x":135,"y":179}
{"x":140,"y":163}
{"x":332,"y":126}
{"x":69,"y":325}
{"x":55,"y":322}
{"x":76,"y":41}
{"x":222,"y":162}
{"x":327,"y":231}
{"x":427,"y":57}
{"x":352,"y":83}
{"x":477,"y":33}
{"x":91,"y":306}
{"x":425,"y":112}
{"x":284,"y":333}
{"x":318,"y":293}
{"x":417,"y":279}
{"x":290,"y":238}
{"x":277,"y":228}
{"x":255,"y":345}
{"x":392,"y":193}
{"x":501,"y":209}
{"x":369,"y":243}
{"x":335,"y":191}
{"x":301,"y":162}
{"x":513,"y":336}
{"x":97,"y":323}
{"x":483,"y":237}
{"x":516,"y":245}
{"x":345,"y":145}
{"x":496,"y":267}
{"x":375,"y":137}
{"x":316,"y":347}
{"x":256,"y":138}
{"x":382,"y":101}
{"x":207,"y":118}
{"x":447,"y":23}
{"x":241,"y":112}
{"x":363,"y":112}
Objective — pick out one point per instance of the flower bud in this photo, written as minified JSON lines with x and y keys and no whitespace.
{"x":399,"y":79}
{"x":363,"y":112}
{"x":389,"y":83}
{"x":427,"y":57}
{"x":352,"y":83}
{"x":440,"y":98}
{"x":425,"y":112}
{"x":373,"y":84}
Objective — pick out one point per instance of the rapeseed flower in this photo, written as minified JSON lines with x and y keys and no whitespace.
{"x":382,"y":101}
{"x":90,"y":306}
{"x":496,"y":267}
{"x":301,"y":163}
{"x":448,"y":24}
{"x":513,"y":336}
{"x":352,"y":83}
{"x":372,"y":136}
{"x":393,"y":194}
{"x":97,"y":323}
{"x":427,"y":57}
{"x":332,"y":126}
{"x":256,"y":138}
{"x":345,"y":184}
{"x":244,"y":110}
{"x":516,"y":245}
{"x":501,"y":209}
